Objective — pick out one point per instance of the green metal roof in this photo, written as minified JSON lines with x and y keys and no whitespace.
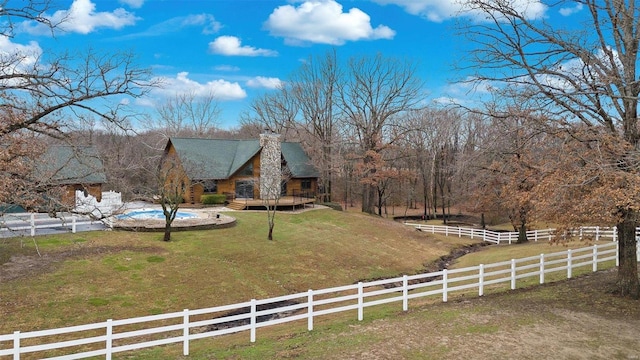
{"x":297,"y":160}
{"x":219,"y":159}
{"x":63,"y":165}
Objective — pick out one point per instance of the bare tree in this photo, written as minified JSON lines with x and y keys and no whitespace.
{"x":583,"y":77}
{"x":376,"y":89}
{"x":186,"y":114}
{"x":315,"y":87}
{"x":43,"y":94}
{"x":273,"y":112}
{"x":170,"y":189}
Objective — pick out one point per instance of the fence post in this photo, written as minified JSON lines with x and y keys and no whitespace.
{"x":615,"y":233}
{"x":73,"y":224}
{"x":541,"y":268}
{"x":509,"y":237}
{"x":446,"y":231}
{"x":513,"y":274}
{"x":310,"y":310}
{"x":109,"y":340}
{"x":253,"y":320}
{"x":569,"y":264}
{"x":595,"y":258}
{"x":405,"y":293}
{"x":445,"y":278}
{"x":580,"y":233}
{"x":535,"y":236}
{"x":360,"y":302}
{"x":185,"y":332}
{"x":16,"y":345}
{"x":484,"y":235}
{"x":597,"y":233}
{"x":618,"y":254}
{"x":481,"y":280}
{"x":33,"y":224}
{"x":459,"y":231}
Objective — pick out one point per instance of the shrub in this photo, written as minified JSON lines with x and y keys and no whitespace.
{"x":213,"y":199}
{"x":333,"y":205}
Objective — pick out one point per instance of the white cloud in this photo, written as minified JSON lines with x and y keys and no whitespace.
{"x":226,"y":68}
{"x":567,"y":11}
{"x":264,"y":82}
{"x":82,"y":18}
{"x":17,"y":58}
{"x":209,"y":23}
{"x":231,"y":46}
{"x":222,"y":90}
{"x":439,"y":10}
{"x":323,"y":21}
{"x":177,"y":24}
{"x":136,"y":4}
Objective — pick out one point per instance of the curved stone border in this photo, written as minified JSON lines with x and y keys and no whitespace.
{"x":201,"y":223}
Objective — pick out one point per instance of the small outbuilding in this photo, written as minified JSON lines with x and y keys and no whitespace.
{"x":69,"y":169}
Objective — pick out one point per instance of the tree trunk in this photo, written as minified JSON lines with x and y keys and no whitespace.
{"x":270,"y":236}
{"x":167,"y":232}
{"x":426,"y":209}
{"x":522,"y":233}
{"x":628,"y":283}
{"x":368,"y":195}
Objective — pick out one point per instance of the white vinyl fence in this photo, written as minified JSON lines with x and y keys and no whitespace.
{"x":117,"y":336}
{"x":596,"y":233}
{"x":32,"y":224}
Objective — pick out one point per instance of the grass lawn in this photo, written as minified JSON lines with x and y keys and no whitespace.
{"x":90,"y":277}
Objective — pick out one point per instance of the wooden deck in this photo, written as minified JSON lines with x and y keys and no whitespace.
{"x":284,"y":203}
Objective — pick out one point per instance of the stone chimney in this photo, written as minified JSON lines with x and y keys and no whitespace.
{"x":270,"y":166}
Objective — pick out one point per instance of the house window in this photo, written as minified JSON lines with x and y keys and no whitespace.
{"x":305,"y":184}
{"x":247,"y":170}
{"x":210,"y":186}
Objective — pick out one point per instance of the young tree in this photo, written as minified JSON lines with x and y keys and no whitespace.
{"x":586,"y":79}
{"x":171,"y":185}
{"x":273,"y":174}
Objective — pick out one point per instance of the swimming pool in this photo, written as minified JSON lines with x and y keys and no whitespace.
{"x":154,"y":214}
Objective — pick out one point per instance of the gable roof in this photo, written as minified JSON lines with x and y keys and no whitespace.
{"x":65,"y":165}
{"x":220,"y":159}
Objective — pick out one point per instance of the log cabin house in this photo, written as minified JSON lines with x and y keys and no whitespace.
{"x":71,"y":168}
{"x":247,"y":172}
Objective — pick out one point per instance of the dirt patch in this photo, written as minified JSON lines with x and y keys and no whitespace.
{"x":22,"y":266}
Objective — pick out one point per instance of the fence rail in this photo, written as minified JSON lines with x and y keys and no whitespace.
{"x":28,"y":224}
{"x":594,"y":232}
{"x":115,"y":336}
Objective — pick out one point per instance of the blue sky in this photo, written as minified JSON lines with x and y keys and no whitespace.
{"x":238,"y":49}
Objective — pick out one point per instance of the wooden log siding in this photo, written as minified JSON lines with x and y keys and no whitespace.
{"x":199,"y":153}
